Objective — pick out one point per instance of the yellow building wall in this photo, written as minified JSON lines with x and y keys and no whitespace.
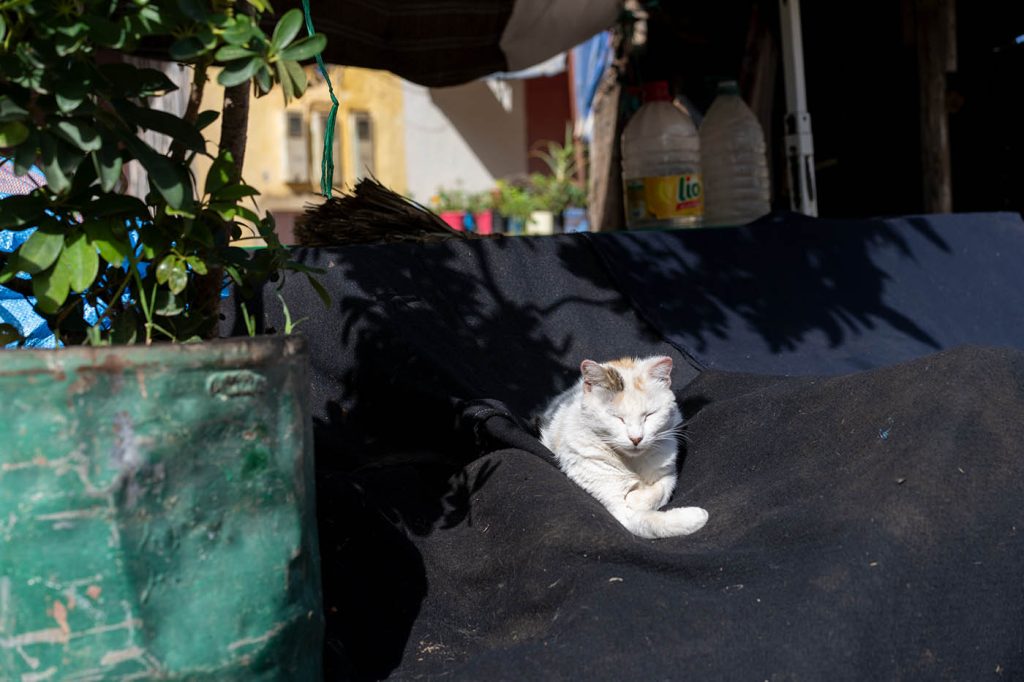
{"x":378,"y":93}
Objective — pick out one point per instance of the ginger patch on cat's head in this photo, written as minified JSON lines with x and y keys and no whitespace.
{"x":613,"y":375}
{"x":623,"y":363}
{"x":605,"y":376}
{"x":628,"y":365}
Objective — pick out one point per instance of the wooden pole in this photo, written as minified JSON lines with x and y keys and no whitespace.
{"x":935,"y":31}
{"x":234,"y":118}
{"x":234,"y":130}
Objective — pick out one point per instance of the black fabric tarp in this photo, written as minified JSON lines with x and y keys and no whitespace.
{"x":861,"y":467}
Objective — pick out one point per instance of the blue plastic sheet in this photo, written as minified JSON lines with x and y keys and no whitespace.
{"x":590,"y":60}
{"x":16,"y":309}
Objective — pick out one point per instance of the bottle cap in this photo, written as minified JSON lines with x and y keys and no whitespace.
{"x":728,"y":88}
{"x":657,"y":91}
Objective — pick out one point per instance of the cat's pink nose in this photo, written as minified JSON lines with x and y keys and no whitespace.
{"x":636,"y":439}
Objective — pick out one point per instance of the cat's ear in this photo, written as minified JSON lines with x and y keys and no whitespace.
{"x":660,"y":368}
{"x":596,"y":374}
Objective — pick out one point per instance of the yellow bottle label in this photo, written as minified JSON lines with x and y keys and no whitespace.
{"x":664,"y":197}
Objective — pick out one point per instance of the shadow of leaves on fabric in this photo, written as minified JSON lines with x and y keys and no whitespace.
{"x":415,"y":344}
{"x":785,"y":277}
{"x":430,"y":356}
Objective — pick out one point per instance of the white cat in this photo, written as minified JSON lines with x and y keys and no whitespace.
{"x":614,"y":434}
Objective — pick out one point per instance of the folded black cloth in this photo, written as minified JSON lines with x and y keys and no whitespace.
{"x":861,"y":467}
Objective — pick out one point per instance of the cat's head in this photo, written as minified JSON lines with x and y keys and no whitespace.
{"x":629,"y":402}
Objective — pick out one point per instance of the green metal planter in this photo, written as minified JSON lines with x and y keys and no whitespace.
{"x":157,"y":514}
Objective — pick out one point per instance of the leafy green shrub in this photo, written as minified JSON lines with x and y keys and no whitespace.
{"x":153,"y":268}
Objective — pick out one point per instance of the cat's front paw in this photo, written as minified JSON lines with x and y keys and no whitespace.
{"x":644,"y":498}
{"x":685,"y":520}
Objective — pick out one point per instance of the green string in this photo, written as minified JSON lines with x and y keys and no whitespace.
{"x":327,"y":162}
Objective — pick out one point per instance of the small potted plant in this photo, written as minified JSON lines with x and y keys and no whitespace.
{"x":479,"y":213}
{"x":560,"y":190}
{"x":516,"y":205}
{"x":450,"y":204}
{"x":163,"y":492}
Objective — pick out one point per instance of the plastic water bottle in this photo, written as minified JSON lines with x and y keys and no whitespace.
{"x":736,"y":185}
{"x":661,"y":164}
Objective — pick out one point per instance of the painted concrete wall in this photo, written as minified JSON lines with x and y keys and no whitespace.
{"x":376,"y":92}
{"x":380,"y":94}
{"x":463,"y":137}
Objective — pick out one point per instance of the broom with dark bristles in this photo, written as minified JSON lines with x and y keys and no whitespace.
{"x":372,"y":213}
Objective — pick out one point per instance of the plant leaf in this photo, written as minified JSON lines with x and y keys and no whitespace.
{"x":221,"y":173}
{"x":298,"y":75}
{"x":305,"y":48}
{"x":109,"y":163}
{"x":233,"y":272}
{"x":287,"y":28}
{"x":286,"y":81}
{"x":178,"y":279}
{"x":11,"y":110}
{"x":238,"y":71}
{"x":101,"y":235}
{"x":162,"y":122}
{"x":42,"y":248}
{"x":20,"y":211}
{"x":163,"y":270}
{"x":168,"y":304}
{"x":232,"y":52}
{"x":197,"y":264}
{"x":10,"y":269}
{"x":107,"y":33}
{"x":12,"y":133}
{"x":228,"y":211}
{"x":131,"y":81}
{"x":55,"y":177}
{"x":9,"y":334}
{"x":51,"y":289}
{"x":205,"y":118}
{"x":117,"y":204}
{"x":81,"y":262}
{"x":167,"y":177}
{"x":239,"y":30}
{"x":68,"y":156}
{"x":263,"y":80}
{"x":262,"y":6}
{"x":234,"y":192}
{"x":196,"y":11}
{"x":186,"y":49}
{"x":25,"y":154}
{"x":320,"y":290}
{"x":82,"y":182}
{"x":70,"y":92}
{"x":80,"y":134}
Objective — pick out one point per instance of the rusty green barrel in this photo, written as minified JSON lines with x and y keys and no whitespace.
{"x":157,"y":514}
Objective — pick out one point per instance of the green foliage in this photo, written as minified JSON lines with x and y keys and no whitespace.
{"x":554,"y":191}
{"x":516,"y":201}
{"x":80,"y":120}
{"x":479,"y":202}
{"x":558,"y":190}
{"x":449,"y":200}
{"x":461,"y":200}
{"x":556,"y":195}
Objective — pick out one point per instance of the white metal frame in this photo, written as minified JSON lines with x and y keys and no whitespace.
{"x":799,"y":140}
